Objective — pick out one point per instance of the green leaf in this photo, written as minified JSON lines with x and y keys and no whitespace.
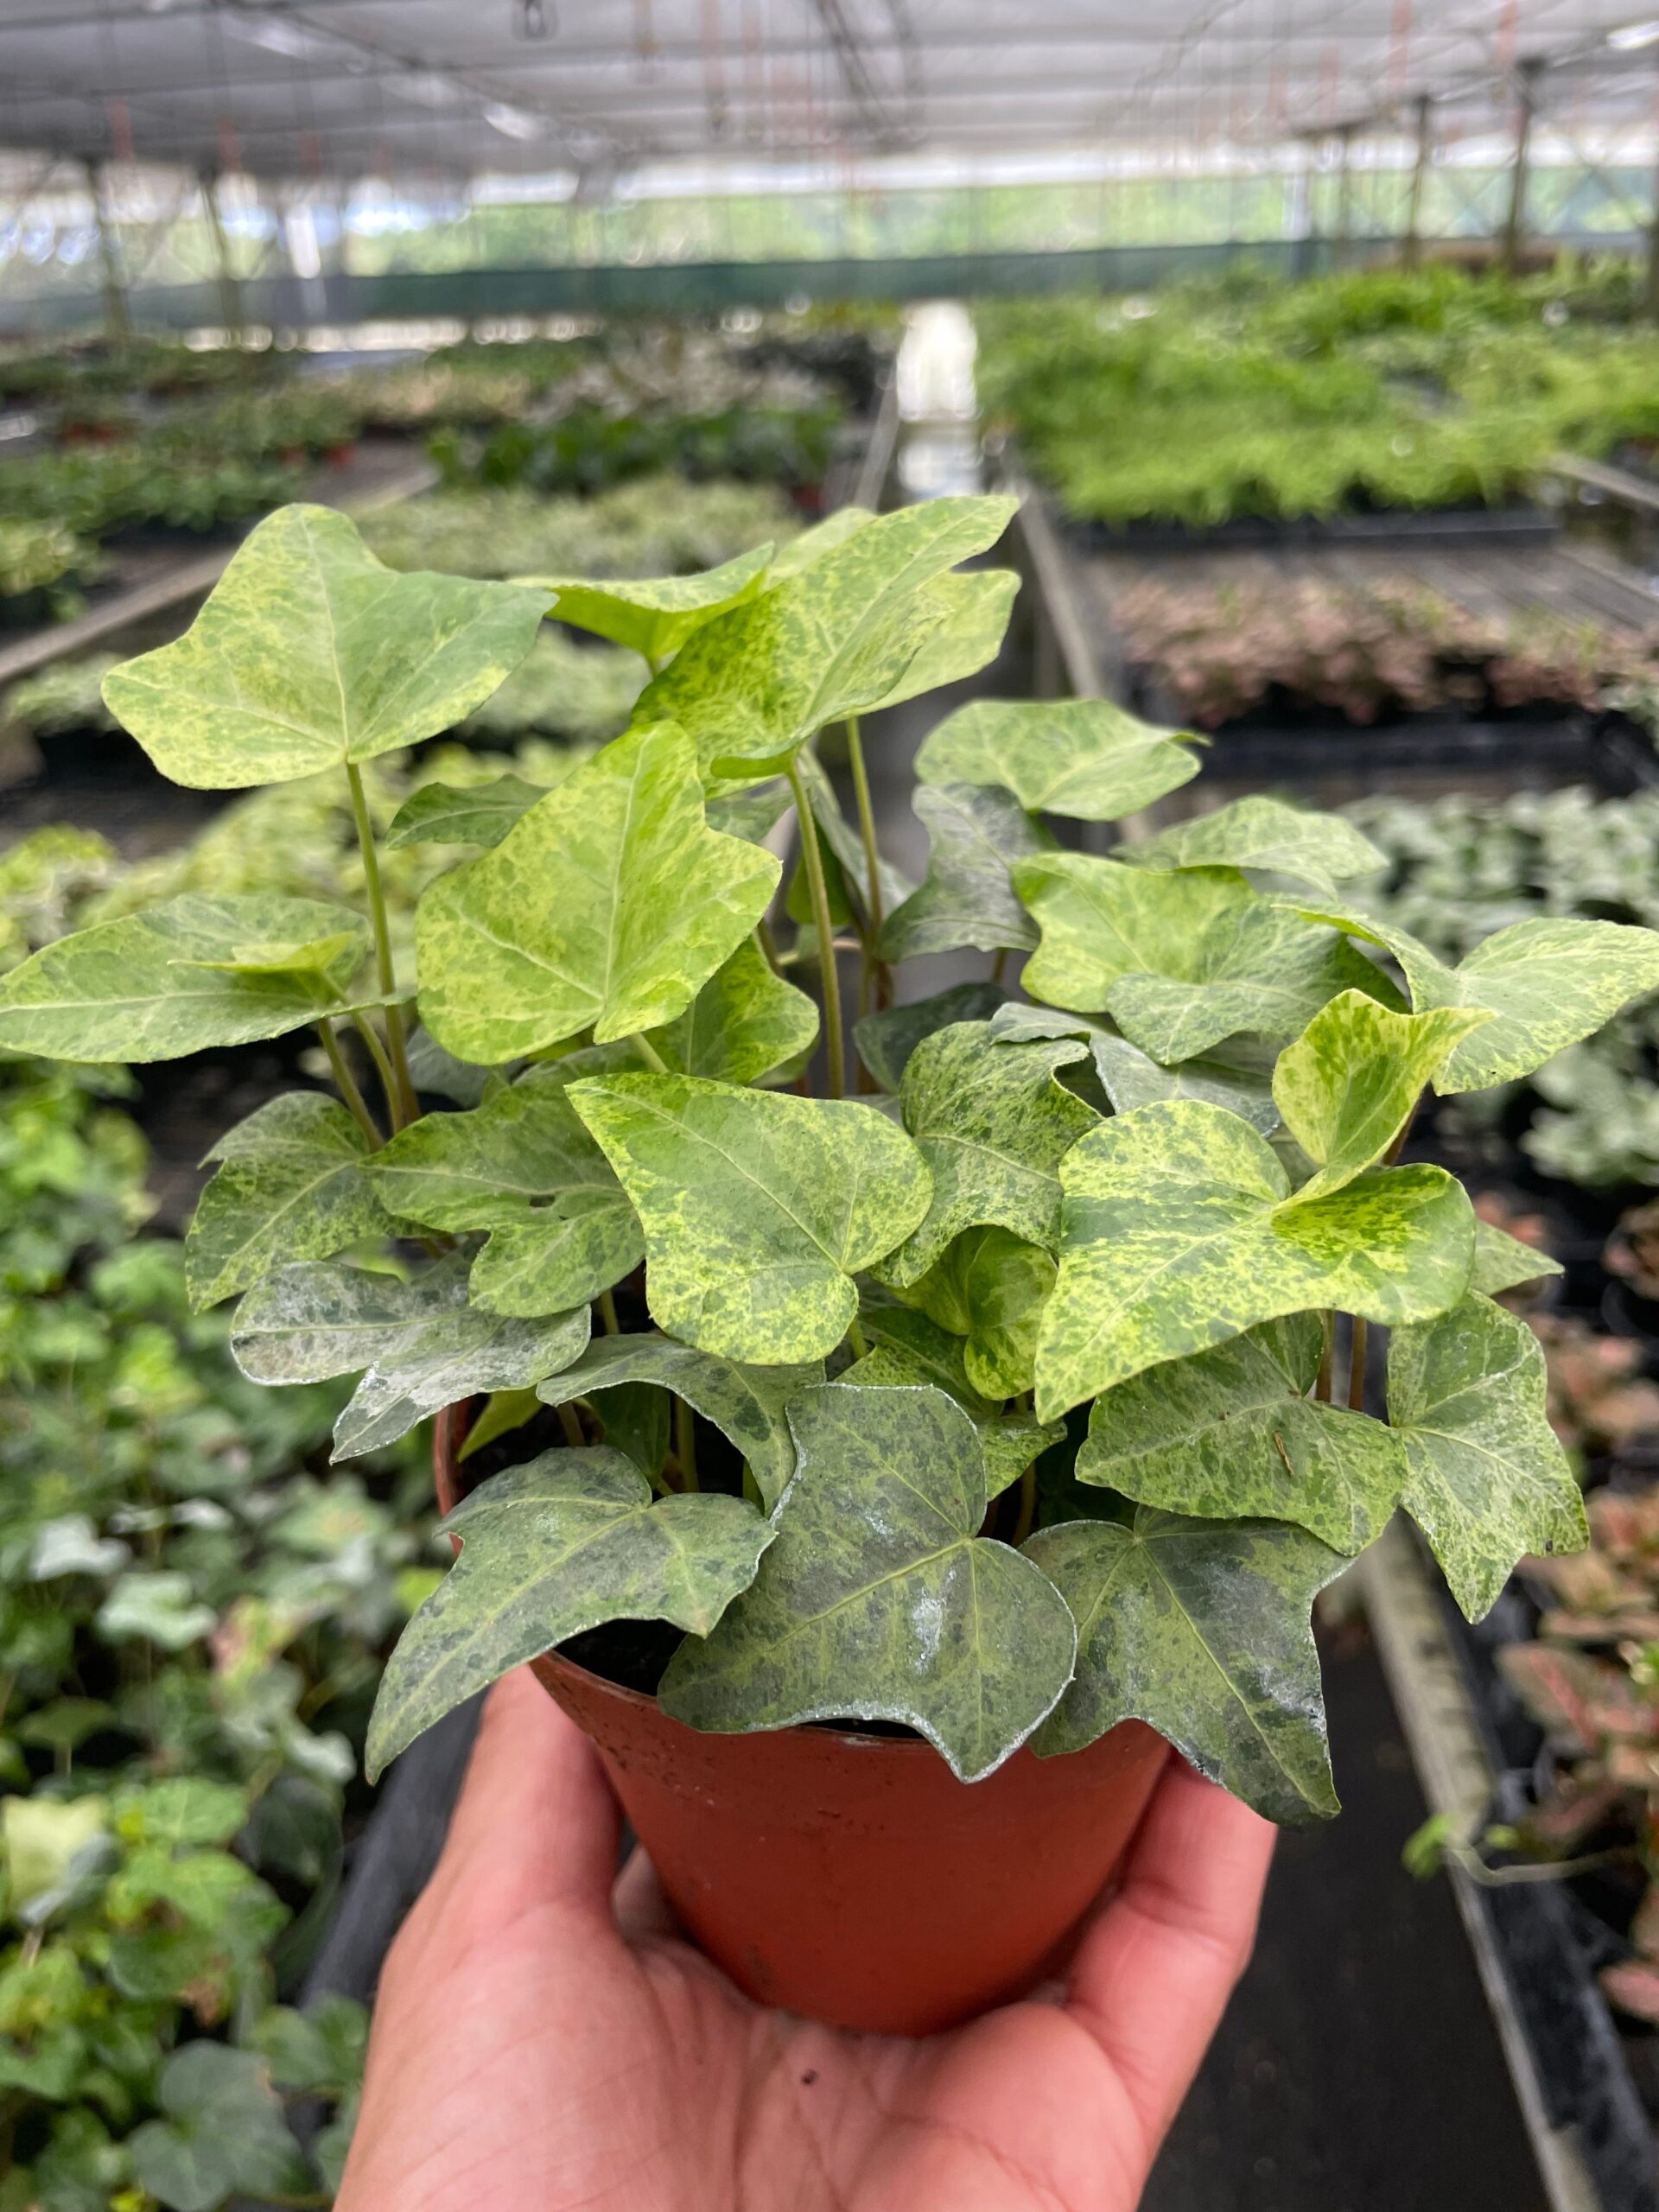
{"x":967,"y":618}
{"x":992,"y":1123}
{"x":1348,"y":1085}
{"x":835,"y":639}
{"x":908,"y":1348}
{"x":309,"y":653}
{"x":1129,"y":1078}
{"x":422,"y":1345}
{"x":1261,"y":833}
{"x":804,"y":551}
{"x":1489,"y":1484}
{"x":504,"y":1411}
{"x":744,"y":1401}
{"x":1549,"y":982}
{"x":549,"y":1549}
{"x":1176,"y":1234}
{"x":223,"y":2134}
{"x":758,"y":1208}
{"x":1503,"y":1263}
{"x":878,"y":1600}
{"x":154,"y":986}
{"x":753,"y":814}
{"x":320,"y":2051}
{"x":523,"y":1166}
{"x":635,"y":1420}
{"x":649,"y":903}
{"x":1084,"y":757}
{"x":1231,"y":1434}
{"x":469,"y":814}
{"x":158,"y":1605}
{"x":292,"y":1186}
{"x":742,"y":1024}
{"x":1180,"y":961}
{"x":990,"y":1287}
{"x":967,"y":899}
{"x":886,"y":1041}
{"x":317,"y":956}
{"x":655,"y":616}
{"x":1202,"y":1630}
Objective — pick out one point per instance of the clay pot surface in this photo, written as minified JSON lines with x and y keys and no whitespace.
{"x":850,"y":1876}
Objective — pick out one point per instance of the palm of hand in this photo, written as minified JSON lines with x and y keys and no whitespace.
{"x":541,"y":2046}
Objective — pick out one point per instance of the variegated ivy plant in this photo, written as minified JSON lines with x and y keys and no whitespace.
{"x":991,"y":1392}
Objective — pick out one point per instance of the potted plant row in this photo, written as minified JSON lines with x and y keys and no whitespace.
{"x":885,"y":1465}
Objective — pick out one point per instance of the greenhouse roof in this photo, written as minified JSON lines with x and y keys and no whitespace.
{"x":298,"y":88}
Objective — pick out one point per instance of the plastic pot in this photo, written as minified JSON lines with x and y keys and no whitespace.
{"x":850,"y":1876}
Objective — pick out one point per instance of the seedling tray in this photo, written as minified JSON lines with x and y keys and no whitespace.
{"x":1604,"y":751}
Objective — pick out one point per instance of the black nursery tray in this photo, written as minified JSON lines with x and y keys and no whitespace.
{"x":1536,"y":1945}
{"x":1429,"y":527}
{"x":1604,"y":751}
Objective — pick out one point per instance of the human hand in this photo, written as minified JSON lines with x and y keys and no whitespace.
{"x":544,"y":2040}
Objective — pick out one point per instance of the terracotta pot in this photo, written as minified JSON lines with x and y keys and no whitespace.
{"x":852,"y":1876}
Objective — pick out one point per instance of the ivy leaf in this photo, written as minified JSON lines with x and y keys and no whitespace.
{"x":1231,"y":1433}
{"x":804,"y":551}
{"x":223,"y":2134}
{"x":1202,"y":1630}
{"x":742,"y":1024}
{"x":1085,"y":758}
{"x":523,"y":1166}
{"x":878,"y":1600}
{"x":908,"y":1350}
{"x":1262,"y":833}
{"x":992,"y":1123}
{"x":1489,"y":1483}
{"x":967,"y":898}
{"x":966,"y":618}
{"x":506,"y":969}
{"x":886,"y":1041}
{"x":1503,"y":1263}
{"x":423,"y":1346}
{"x":1180,"y":962}
{"x":1547,"y":982}
{"x":157,"y":985}
{"x":1347,"y":1086}
{"x":744,"y":1401}
{"x":655,"y":616}
{"x":292,"y":1186}
{"x":758,"y":1208}
{"x":1129,"y":1078}
{"x":835,"y":639}
{"x":471,"y":814}
{"x":309,"y":653}
{"x":753,"y":814}
{"x":161,"y":1606}
{"x":1176,"y":1235}
{"x":549,"y":1549}
{"x":990,"y":1287}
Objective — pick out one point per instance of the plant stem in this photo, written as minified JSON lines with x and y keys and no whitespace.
{"x":1027,"y":1512}
{"x":408,"y":1109}
{"x":685,"y":1444}
{"x":346,"y":1084}
{"x":384,"y":1068}
{"x":608,"y":1313}
{"x":1360,"y":1329}
{"x":652,"y":664}
{"x":1322,"y":1387}
{"x":861,"y":1343}
{"x":768,"y":945}
{"x":874,"y":970}
{"x":649,"y":1053}
{"x":999,"y":964}
{"x":826,"y":934}
{"x":571,"y":1426}
{"x":1399,"y":1144}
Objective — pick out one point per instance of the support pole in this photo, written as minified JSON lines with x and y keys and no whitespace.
{"x":1515,"y":225}
{"x":1345,"y":231}
{"x":230,"y":292}
{"x":117,"y":319}
{"x":1412,"y":245}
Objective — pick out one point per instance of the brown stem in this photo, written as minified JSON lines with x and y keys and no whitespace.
{"x":1360,"y":1329}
